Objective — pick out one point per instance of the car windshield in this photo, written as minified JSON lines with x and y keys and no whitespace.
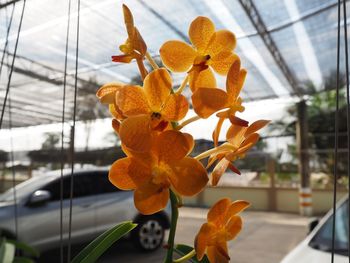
{"x":24,"y":189}
{"x":323,"y":238}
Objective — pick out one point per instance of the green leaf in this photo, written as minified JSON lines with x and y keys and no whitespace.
{"x":22,"y":260}
{"x":97,"y":247}
{"x":2,"y":248}
{"x":9,"y":253}
{"x":183,"y":250}
{"x":25,"y":248}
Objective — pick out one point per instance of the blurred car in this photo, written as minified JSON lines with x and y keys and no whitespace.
{"x":97,"y":206}
{"x":317,"y":246}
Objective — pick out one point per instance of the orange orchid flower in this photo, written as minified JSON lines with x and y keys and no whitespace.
{"x":223,"y":225}
{"x":165,"y":166}
{"x":207,"y":101}
{"x":134,"y":47}
{"x":239,"y":140}
{"x":149,"y":108}
{"x":210,"y":49}
{"x":106,"y":95}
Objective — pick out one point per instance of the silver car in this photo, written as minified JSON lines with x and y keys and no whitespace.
{"x":317,"y":246}
{"x":97,"y":206}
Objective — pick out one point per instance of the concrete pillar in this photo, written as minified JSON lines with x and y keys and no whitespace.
{"x":305,"y":198}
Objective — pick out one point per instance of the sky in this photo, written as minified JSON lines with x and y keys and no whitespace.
{"x":31,"y":138}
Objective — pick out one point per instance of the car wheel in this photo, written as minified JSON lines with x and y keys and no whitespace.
{"x":149,"y":234}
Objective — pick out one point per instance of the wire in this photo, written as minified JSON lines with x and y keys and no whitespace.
{"x":336,"y":130}
{"x":13,"y":172}
{"x":12,"y":159}
{"x":13,"y":168}
{"x":62,"y":133}
{"x":347,"y":107}
{"x":12,"y":64}
{"x":7,"y":37}
{"x":73,"y":135}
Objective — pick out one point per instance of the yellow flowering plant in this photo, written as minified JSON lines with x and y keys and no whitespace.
{"x":149,"y":120}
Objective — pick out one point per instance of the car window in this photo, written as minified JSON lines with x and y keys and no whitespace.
{"x":104,"y":186}
{"x":85,"y":184}
{"x":323,"y":238}
{"x":26,"y":188}
{"x":54,"y":188}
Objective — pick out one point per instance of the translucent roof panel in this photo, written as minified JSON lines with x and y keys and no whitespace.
{"x":304,"y":33}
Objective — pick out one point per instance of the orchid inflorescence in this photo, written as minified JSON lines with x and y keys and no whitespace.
{"x":149,"y":120}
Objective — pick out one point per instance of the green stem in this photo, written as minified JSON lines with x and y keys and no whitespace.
{"x":171,"y":238}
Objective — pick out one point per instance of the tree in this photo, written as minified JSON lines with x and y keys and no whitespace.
{"x":89,"y":109}
{"x":51,"y":141}
{"x":321,"y":119}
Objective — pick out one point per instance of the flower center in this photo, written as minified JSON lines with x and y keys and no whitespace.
{"x":156,"y":115}
{"x":160,"y":177}
{"x":236,"y":107}
{"x":202,"y":60}
{"x":126,"y":48}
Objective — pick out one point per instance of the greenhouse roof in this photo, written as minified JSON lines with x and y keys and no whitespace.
{"x":285,"y":45}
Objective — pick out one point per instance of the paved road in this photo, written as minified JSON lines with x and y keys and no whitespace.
{"x":265,"y":238}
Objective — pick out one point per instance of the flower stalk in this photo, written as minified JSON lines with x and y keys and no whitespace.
{"x":142,"y":69}
{"x":151,"y":61}
{"x":216,"y":150}
{"x":174,"y":217}
{"x":188,"y":121}
{"x":183,"y":85}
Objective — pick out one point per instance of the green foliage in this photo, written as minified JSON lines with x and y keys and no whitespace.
{"x":9,"y":247}
{"x":321,"y":119}
{"x":22,"y":260}
{"x":7,"y":251}
{"x":28,"y":250}
{"x":183,"y":250}
{"x":97,"y":247}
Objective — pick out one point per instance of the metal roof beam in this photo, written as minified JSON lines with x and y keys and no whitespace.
{"x":43,"y":72}
{"x":19,"y":114}
{"x":164,"y":20}
{"x":30,"y":107}
{"x":248,"y":48}
{"x":8,"y":3}
{"x":254,"y":16}
{"x":290,"y":22}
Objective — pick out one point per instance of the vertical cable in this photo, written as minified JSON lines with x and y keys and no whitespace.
{"x":7,"y":36}
{"x":62,"y":133}
{"x":12,"y":159}
{"x":336,"y":131}
{"x":347,"y":108}
{"x":12,"y":64}
{"x":73,"y":135}
{"x":13,"y":171}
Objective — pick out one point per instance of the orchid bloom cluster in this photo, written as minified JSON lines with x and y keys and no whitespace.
{"x":149,"y":120}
